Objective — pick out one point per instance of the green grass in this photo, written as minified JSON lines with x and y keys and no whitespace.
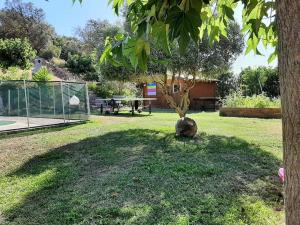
{"x":123,"y":170}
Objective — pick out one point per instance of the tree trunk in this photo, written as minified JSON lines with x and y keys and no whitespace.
{"x":182,"y":107}
{"x":185,"y":127}
{"x":288,"y":19}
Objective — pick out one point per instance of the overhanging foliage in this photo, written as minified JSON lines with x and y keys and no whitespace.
{"x":166,"y":21}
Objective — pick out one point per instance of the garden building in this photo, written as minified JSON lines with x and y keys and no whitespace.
{"x":203,"y":96}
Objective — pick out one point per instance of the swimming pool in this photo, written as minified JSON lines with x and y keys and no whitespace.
{"x":4,"y":122}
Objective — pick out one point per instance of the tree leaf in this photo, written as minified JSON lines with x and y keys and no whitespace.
{"x":193,"y":22}
{"x":229,"y":12}
{"x":196,"y":5}
{"x":184,"y":25}
{"x":175,"y":17}
{"x":213,"y":34}
{"x":273,"y":56}
{"x":129,"y":51}
{"x":105,"y":54}
{"x":160,"y":36}
{"x":255,"y":25}
{"x":183,"y":41}
{"x":142,"y":28}
{"x":119,"y":37}
{"x":249,"y":46}
{"x":142,"y":51}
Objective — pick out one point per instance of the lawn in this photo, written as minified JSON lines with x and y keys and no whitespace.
{"x":124,"y":170}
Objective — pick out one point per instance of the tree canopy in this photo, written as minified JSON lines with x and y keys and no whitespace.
{"x":94,"y":33}
{"x":23,"y":20}
{"x":227,"y":83}
{"x":255,"y":81}
{"x":83,"y":65}
{"x":16,"y":52}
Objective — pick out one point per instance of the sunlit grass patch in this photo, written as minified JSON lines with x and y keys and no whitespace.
{"x":15,"y":189}
{"x":250,"y":210}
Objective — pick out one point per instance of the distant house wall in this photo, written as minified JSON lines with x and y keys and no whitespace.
{"x":203,"y":96}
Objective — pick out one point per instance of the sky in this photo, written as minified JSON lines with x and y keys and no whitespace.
{"x":65,"y":17}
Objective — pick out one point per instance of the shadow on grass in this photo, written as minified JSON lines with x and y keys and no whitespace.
{"x":38,"y":130}
{"x":190,"y":112}
{"x":128,"y":114}
{"x":145,"y":177}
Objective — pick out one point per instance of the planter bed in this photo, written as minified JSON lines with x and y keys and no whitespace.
{"x":268,"y":113}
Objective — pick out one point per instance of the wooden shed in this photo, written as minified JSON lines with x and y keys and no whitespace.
{"x":203,"y":95}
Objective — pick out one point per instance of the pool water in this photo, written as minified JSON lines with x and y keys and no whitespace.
{"x":4,"y":122}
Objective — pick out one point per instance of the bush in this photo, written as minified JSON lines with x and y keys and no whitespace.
{"x":14,"y":73}
{"x":84,"y":66}
{"x":42,"y":75}
{"x":69,"y":46}
{"x":100,"y":90}
{"x":51,"y":52}
{"x":107,"y":89}
{"x":80,"y":64}
{"x":237,"y":100}
{"x":16,"y":52}
{"x":58,"y":62}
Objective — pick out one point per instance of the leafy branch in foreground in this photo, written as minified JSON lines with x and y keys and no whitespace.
{"x":166,"y":21}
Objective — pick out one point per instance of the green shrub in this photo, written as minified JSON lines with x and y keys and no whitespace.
{"x":69,"y":46}
{"x":100,"y":90}
{"x":58,"y":62}
{"x":51,"y":52}
{"x":237,"y":100}
{"x":107,"y":89}
{"x":14,"y":73}
{"x":84,"y":66}
{"x":80,"y":64}
{"x":16,"y":52}
{"x":42,"y":75}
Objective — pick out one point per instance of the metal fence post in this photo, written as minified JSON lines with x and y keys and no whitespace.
{"x":40,"y":97}
{"x":26,"y":104}
{"x":62,"y":99}
{"x":53,"y":90}
{"x":69,"y":101}
{"x":18,"y":102}
{"x":87,"y":99}
{"x":9,"y":102}
{"x":28,"y":99}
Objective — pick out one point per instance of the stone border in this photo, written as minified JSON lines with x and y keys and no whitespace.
{"x":266,"y":113}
